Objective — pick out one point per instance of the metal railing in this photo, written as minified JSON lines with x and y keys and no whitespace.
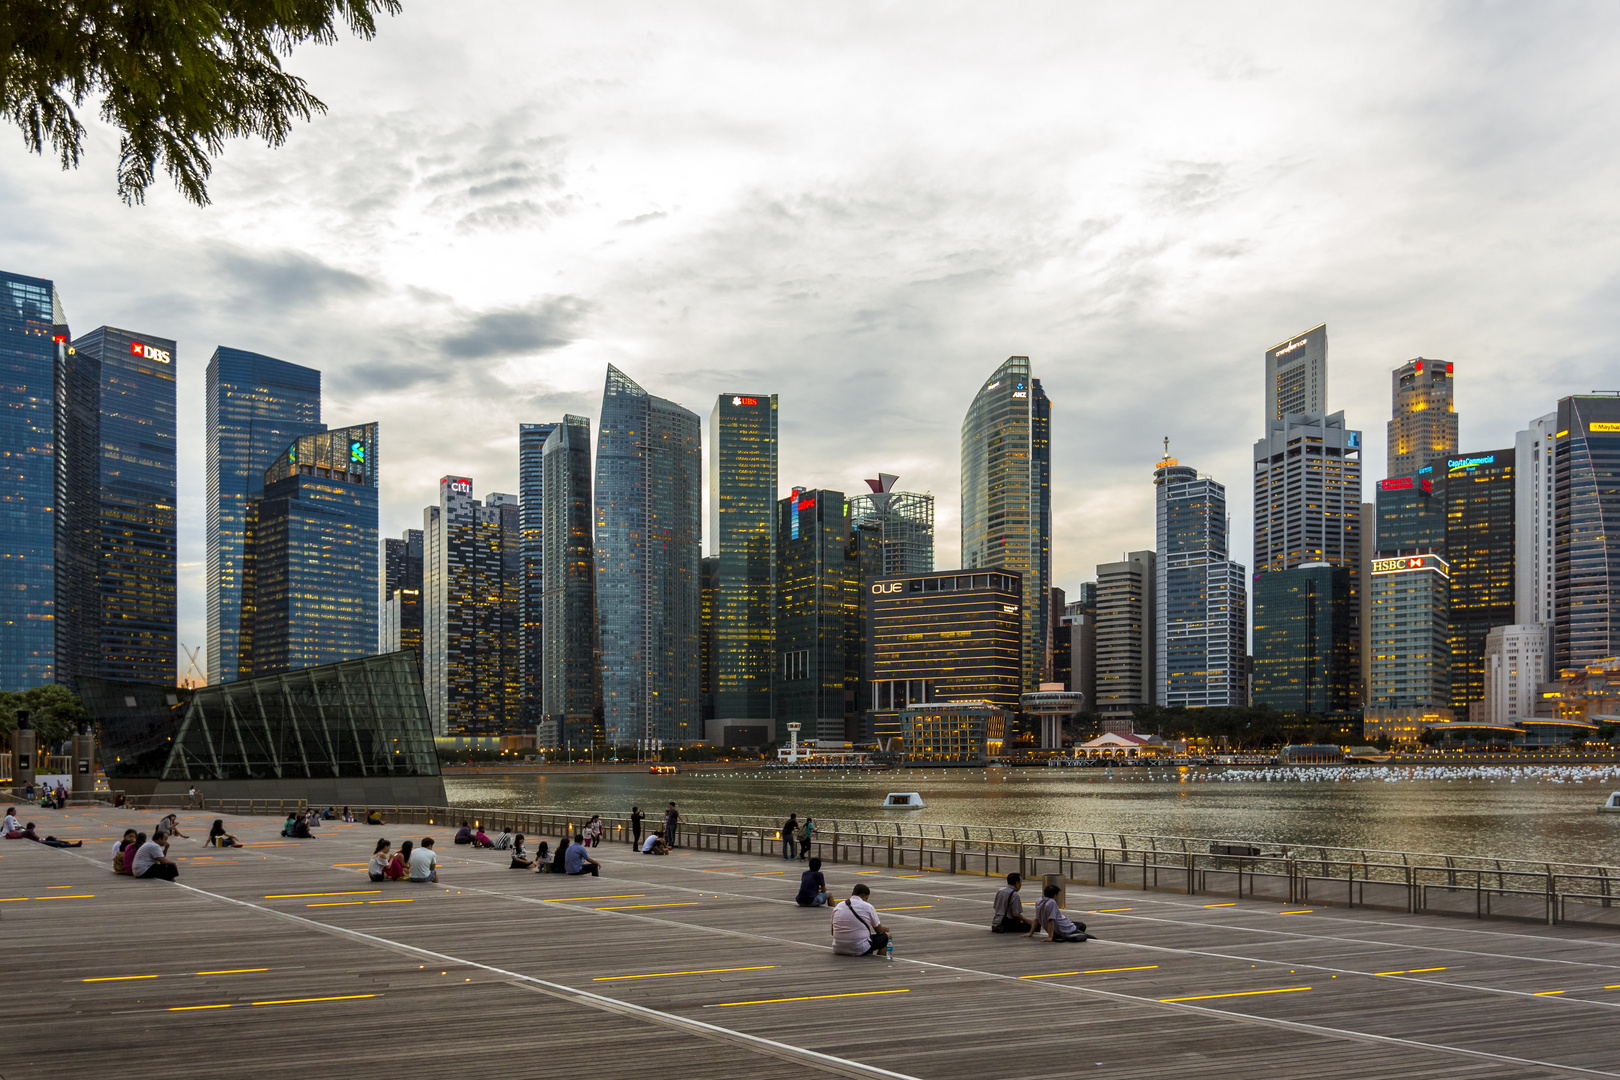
{"x":1414,"y":882}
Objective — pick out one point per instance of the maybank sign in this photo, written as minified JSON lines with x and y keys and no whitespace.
{"x":1469,"y":462}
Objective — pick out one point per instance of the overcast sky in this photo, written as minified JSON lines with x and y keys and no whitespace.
{"x":865,"y":208}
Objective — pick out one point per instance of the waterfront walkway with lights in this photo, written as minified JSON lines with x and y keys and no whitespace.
{"x":282,"y":959}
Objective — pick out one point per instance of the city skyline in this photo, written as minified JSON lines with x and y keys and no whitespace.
{"x":490,"y":272}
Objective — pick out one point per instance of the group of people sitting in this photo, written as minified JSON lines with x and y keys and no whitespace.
{"x":12,"y":829}
{"x":140,"y":857}
{"x":1007,"y":914}
{"x":419,"y":863}
{"x":298,"y":826}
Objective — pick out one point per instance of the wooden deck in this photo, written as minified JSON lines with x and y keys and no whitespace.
{"x":283,"y":960}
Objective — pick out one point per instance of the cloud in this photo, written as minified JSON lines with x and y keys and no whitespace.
{"x":289,"y":279}
{"x":545,"y":324}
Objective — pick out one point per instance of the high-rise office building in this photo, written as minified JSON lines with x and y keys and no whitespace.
{"x":1515,"y":667}
{"x":944,"y":636}
{"x":33,"y":350}
{"x":1296,"y":375}
{"x":1127,"y":642}
{"x":1534,"y":476}
{"x":471,"y":566}
{"x":399,"y":603}
{"x":1080,"y":619}
{"x":309,"y":556}
{"x":742,"y":535}
{"x":708,"y":572}
{"x":1479,"y":494}
{"x":531,"y":497}
{"x":256,"y":405}
{"x":824,"y":567}
{"x":1586,"y":530}
{"x":116,"y":613}
{"x":1007,"y":497}
{"x":904,"y":521}
{"x":1411,"y":512}
{"x":1304,"y":643}
{"x":1057,"y":603}
{"x":1410,"y":659}
{"x":1423,"y":418}
{"x":649,"y":475}
{"x":1201,"y":597}
{"x":571,"y":672}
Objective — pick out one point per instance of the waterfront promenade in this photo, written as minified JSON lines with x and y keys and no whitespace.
{"x":282,"y":959}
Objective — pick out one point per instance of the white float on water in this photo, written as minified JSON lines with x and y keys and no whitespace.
{"x":903,"y":800}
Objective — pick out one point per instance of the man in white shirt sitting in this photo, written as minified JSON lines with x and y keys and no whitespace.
{"x":152,"y":860}
{"x":424,"y":863}
{"x":1050,"y":917}
{"x":855,"y":927}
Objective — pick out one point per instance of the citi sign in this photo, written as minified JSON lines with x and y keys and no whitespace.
{"x":456,"y":484}
{"x":149,"y":352}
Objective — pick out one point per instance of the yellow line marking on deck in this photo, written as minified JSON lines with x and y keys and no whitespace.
{"x":1409,"y":971}
{"x":1302,"y":911}
{"x":1093,"y":971}
{"x":296,"y":895}
{"x":913,"y":907}
{"x":1221,"y":905}
{"x":121,"y":978}
{"x":768,"y":873}
{"x":1108,"y":910}
{"x":1242,"y":993}
{"x":301,"y":1001}
{"x":59,"y":886}
{"x":231,"y":971}
{"x":631,"y":907}
{"x":194,"y":1008}
{"x":77,"y":896}
{"x":339,"y":903}
{"x":812,"y":997}
{"x":1550,"y":993}
{"x":410,"y":901}
{"x":620,"y":896}
{"x":662,"y":974}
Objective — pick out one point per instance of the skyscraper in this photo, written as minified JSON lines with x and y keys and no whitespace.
{"x":571,"y":672}
{"x":309,"y":556}
{"x":256,"y":406}
{"x":1007,"y":497}
{"x":1296,"y":375}
{"x":1479,"y":499}
{"x":742,"y":532}
{"x":1534,"y":504}
{"x":1201,"y":622}
{"x":1127,"y":643}
{"x":531,"y":498}
{"x":1423,"y":419}
{"x":1586,"y":530}
{"x":904,"y":521}
{"x":1410,"y":661}
{"x":470,"y":584}
{"x":116,"y":614}
{"x":399,"y":605}
{"x":1304,"y":643}
{"x":649,"y":475}
{"x":1080,"y":616}
{"x":825,"y":564}
{"x":1515,"y":667}
{"x":1411,"y":512}
{"x":33,"y":343}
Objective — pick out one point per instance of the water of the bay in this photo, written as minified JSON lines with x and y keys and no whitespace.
{"x":1535,"y":813}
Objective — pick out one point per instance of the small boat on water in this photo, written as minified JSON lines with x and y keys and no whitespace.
{"x":903,"y":800}
{"x":1613,"y":805}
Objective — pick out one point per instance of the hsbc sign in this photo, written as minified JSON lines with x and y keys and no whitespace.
{"x":150,"y":352}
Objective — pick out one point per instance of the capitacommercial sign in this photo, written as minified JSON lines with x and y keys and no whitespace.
{"x":1454,"y":464}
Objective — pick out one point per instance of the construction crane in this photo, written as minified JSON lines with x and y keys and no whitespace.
{"x":194,"y":676}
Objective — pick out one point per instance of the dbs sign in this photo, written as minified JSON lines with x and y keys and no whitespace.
{"x":150,"y":352}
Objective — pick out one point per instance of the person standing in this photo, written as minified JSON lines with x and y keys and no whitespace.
{"x":593,"y":831}
{"x":635,"y":827}
{"x":806,"y":827}
{"x":790,"y":837}
{"x":672,"y":824}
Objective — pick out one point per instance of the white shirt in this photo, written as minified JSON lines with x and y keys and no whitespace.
{"x":647,"y":844}
{"x":150,"y":853}
{"x":11,"y":824}
{"x":852,"y":936}
{"x":423,"y":863}
{"x":379,"y":862}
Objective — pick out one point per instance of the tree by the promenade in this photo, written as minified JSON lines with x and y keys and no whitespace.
{"x":54,"y":712}
{"x":177,"y":78}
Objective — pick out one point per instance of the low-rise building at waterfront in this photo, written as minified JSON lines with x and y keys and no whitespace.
{"x":953,"y":732}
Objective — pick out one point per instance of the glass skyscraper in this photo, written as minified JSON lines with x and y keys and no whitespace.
{"x":399,"y":605}
{"x":256,"y":405}
{"x":571,"y":673}
{"x":1479,"y":549}
{"x":1586,"y":531}
{"x":531,"y":511}
{"x":904,"y":521}
{"x":742,"y":534}
{"x":1202,"y":597}
{"x":117,"y":545}
{"x":309,"y":556}
{"x":33,"y":338}
{"x":1423,"y":418}
{"x":1303,"y":640}
{"x":649,"y":517}
{"x":1007,"y":498}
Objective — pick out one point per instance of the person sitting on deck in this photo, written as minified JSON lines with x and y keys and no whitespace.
{"x":374,"y":817}
{"x":503,"y":841}
{"x":28,"y":833}
{"x":11,"y":824}
{"x":400,"y":864}
{"x":1007,"y":916}
{"x":654,"y":844}
{"x":559,"y":861}
{"x":170,"y":826}
{"x":377,"y":869}
{"x":348,"y":815}
{"x":287,"y":826}
{"x":152,"y":860}
{"x":577,"y":862}
{"x":218,"y":837}
{"x":126,"y":845}
{"x":813,"y":887}
{"x":855,"y":927}
{"x":424,"y":863}
{"x":520,"y":857}
{"x":300,"y":830}
{"x":464,"y":835}
{"x":51,"y":841}
{"x":481,"y":839}
{"x":1050,"y":917}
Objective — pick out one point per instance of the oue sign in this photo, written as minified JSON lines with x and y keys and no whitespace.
{"x":149,"y":352}
{"x":884,"y":587}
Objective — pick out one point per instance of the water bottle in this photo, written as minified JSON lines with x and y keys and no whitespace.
{"x":888,"y":950}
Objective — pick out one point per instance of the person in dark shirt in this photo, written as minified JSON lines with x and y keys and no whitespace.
{"x":464,"y":835}
{"x":813,"y":887}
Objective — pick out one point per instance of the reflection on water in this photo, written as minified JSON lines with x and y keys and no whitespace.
{"x":1526,"y":818}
